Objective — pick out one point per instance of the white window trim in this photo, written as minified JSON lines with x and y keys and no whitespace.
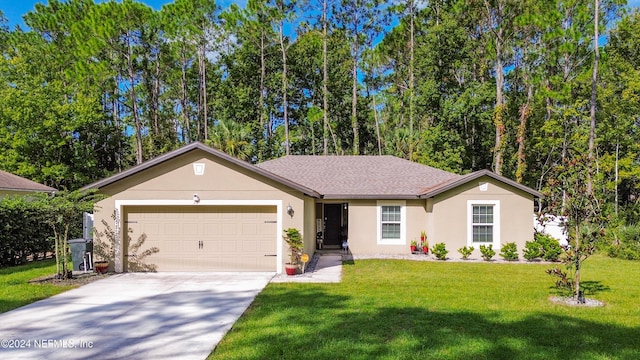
{"x":403,"y":222}
{"x":496,"y":221}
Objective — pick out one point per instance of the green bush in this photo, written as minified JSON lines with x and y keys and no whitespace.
{"x":531,"y":250}
{"x":550,"y":248}
{"x":626,"y":243}
{"x":509,"y":251}
{"x":465,"y":252}
{"x":23,"y":231}
{"x":440,"y":251}
{"x":487,"y":252}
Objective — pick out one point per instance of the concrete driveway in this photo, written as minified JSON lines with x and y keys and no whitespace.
{"x":132,"y":316}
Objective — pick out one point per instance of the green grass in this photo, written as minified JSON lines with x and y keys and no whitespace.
{"x":16,"y":291}
{"x":394,"y":309}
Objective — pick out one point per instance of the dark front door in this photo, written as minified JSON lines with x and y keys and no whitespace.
{"x":332,"y":224}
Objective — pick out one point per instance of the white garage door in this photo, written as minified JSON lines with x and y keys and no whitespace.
{"x":200,"y":238}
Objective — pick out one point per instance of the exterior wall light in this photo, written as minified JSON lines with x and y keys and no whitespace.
{"x":290,"y":210}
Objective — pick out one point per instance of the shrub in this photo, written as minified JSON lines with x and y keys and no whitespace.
{"x":550,"y":248}
{"x":564,"y":284}
{"x":465,"y":252}
{"x":293,"y":238}
{"x":626,"y":244}
{"x":487,"y":252}
{"x":23,"y":231}
{"x":531,"y":250}
{"x":440,"y":251}
{"x":509,"y":251}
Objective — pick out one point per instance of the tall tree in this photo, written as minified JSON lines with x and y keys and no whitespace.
{"x":594,"y":95}
{"x":361,"y":21}
{"x":499,"y":16}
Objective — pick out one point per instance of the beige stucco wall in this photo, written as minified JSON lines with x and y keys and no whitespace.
{"x":222,"y":181}
{"x":450,"y":218}
{"x":444,"y":218}
{"x":363,"y":226}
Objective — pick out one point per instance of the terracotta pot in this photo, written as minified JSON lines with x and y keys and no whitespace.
{"x":101,"y":267}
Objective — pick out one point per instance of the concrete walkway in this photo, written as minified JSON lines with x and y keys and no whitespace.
{"x":327,"y":270}
{"x":132,"y":316}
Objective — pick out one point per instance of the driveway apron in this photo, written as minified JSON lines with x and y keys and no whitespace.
{"x":132,"y":316}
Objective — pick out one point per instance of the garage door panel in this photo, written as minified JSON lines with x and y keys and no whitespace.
{"x":207,"y":238}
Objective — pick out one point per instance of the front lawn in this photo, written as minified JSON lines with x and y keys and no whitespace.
{"x":17,"y":291}
{"x":395,"y":309}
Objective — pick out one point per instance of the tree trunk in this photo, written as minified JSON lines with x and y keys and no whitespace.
{"x":525,"y":111}
{"x":155,"y":99}
{"x":325,"y":80}
{"x":184,"y":101}
{"x":354,"y":99}
{"x":499,"y":112}
{"x":594,"y":79}
{"x":263,"y":76}
{"x":134,"y":105}
{"x":577,"y":263}
{"x":411,"y":78}
{"x":284,"y":90}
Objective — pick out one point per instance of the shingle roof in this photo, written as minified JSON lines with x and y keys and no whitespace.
{"x":378,"y":177}
{"x":16,"y":183}
{"x":198,"y":146}
{"x":427,"y":193}
{"x":338,"y":177}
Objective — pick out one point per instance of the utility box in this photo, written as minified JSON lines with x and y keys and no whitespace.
{"x":81,"y":253}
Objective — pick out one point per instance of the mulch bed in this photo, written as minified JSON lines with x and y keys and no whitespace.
{"x":573,"y":302}
{"x":78,"y":279}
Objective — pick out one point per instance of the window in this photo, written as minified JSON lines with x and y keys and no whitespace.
{"x":391,"y":223}
{"x":483,"y":223}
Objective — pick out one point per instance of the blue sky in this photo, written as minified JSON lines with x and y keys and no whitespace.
{"x":14,"y":9}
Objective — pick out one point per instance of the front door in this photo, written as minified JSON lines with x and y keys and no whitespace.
{"x":332,"y":224}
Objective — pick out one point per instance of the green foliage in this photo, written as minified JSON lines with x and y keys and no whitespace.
{"x":293,"y":238}
{"x":548,"y":247}
{"x":509,"y":251}
{"x":24,"y":233}
{"x":532,"y":250}
{"x":624,"y":242}
{"x":63,"y":213}
{"x":440,"y":251}
{"x":487,"y":252}
{"x":466,"y":251}
{"x":564,"y":283}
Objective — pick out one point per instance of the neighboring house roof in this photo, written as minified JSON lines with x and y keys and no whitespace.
{"x":194,"y":147}
{"x":16,"y":183}
{"x":359,"y":177}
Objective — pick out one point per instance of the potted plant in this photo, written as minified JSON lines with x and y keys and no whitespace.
{"x":424,"y":243}
{"x":293,"y":238}
{"x":413,"y":246}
